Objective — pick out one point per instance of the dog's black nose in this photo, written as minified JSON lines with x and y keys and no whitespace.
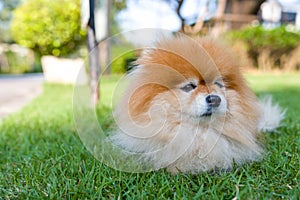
{"x":213,"y":100}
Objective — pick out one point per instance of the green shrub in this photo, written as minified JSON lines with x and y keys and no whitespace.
{"x":122,"y":58}
{"x":16,"y":60}
{"x":17,"y":63}
{"x":48,"y":27}
{"x":275,"y":39}
{"x":267,"y":46}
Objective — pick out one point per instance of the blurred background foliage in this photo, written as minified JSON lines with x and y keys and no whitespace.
{"x":7,"y":6}
{"x":48,"y":27}
{"x":268,"y":49}
{"x":53,"y":28}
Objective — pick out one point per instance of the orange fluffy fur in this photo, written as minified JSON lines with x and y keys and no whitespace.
{"x":161,"y":121}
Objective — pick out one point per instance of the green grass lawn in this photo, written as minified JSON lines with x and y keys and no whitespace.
{"x":41,"y":156}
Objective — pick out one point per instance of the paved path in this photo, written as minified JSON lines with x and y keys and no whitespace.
{"x":18,"y":90}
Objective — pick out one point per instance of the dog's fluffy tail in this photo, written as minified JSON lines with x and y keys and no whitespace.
{"x":271,"y":114}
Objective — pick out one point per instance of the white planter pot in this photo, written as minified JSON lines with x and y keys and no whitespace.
{"x":62,"y":70}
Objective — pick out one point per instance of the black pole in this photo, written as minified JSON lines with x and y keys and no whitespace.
{"x":108,"y":7}
{"x":94,"y":68}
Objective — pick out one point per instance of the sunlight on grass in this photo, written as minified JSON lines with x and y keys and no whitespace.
{"x":273,"y":82}
{"x":108,"y":86}
{"x":285,"y":89}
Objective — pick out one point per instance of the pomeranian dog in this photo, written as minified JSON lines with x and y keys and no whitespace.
{"x":186,"y":107}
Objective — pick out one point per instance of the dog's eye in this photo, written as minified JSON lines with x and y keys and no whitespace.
{"x":189,"y":87}
{"x":219,"y":84}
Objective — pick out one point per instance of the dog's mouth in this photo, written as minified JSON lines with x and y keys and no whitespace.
{"x":208,"y":113}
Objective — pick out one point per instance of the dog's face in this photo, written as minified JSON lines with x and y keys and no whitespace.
{"x":192,"y":100}
{"x":200,"y":100}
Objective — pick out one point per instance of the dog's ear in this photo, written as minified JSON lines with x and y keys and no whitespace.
{"x":141,"y":98}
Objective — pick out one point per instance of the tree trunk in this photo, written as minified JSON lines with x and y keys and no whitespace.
{"x":180,"y":2}
{"x":94,"y":69}
{"x":265,"y":61}
{"x":291,"y":61}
